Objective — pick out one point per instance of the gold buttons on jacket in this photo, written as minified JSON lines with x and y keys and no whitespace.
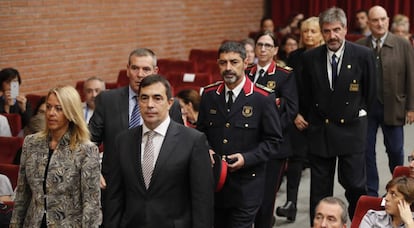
{"x":225,"y":141}
{"x":327,"y":121}
{"x":342,"y":121}
{"x":227,"y":125}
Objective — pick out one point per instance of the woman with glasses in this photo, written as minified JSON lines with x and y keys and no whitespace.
{"x":58,"y":184}
{"x":397,"y":213}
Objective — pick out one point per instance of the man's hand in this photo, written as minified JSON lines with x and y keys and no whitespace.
{"x":410,"y":117}
{"x":301,"y":123}
{"x":238,"y":162}
{"x":102,"y":182}
{"x":211,"y":157}
{"x":21,"y":101}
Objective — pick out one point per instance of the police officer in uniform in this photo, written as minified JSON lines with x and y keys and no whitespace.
{"x":269,"y":75}
{"x":241,"y":123}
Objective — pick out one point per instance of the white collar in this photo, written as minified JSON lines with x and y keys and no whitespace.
{"x":160,"y":129}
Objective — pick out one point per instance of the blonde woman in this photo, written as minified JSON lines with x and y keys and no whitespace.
{"x":58,"y":184}
{"x":310,"y":37}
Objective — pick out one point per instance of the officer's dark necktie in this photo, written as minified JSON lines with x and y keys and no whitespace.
{"x":334,"y":64}
{"x":380,"y":87}
{"x":229,"y":100}
{"x":135,"y":119}
{"x":261,"y":72}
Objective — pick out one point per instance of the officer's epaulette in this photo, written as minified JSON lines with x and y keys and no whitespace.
{"x":267,"y":89}
{"x":212,"y":85}
{"x":284,"y":67}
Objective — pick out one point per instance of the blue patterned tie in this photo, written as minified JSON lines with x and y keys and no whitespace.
{"x":135,"y":119}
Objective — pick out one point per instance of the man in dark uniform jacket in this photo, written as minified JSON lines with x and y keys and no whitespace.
{"x":242,"y":123}
{"x":340,"y":85}
{"x":267,"y":74}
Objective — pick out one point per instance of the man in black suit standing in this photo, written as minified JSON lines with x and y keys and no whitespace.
{"x":242,"y":124}
{"x":117,"y":110}
{"x":340,"y":85}
{"x":159,"y":181}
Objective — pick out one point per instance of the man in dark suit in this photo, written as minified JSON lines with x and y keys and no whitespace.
{"x":340,"y":85}
{"x":115,"y":108}
{"x":159,"y":181}
{"x":242,"y":124}
{"x":280,"y":81}
{"x":394,"y":105}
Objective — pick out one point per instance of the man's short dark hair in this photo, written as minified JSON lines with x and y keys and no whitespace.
{"x":155,"y":78}
{"x":233,"y":46}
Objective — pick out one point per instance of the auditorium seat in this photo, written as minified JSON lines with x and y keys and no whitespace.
{"x":8,"y":148}
{"x":200,"y":56}
{"x":15,"y":122}
{"x":33,"y":100}
{"x":11,"y":171}
{"x":79,"y":88}
{"x":122,"y":79}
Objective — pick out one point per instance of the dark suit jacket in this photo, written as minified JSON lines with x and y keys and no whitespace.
{"x":110,"y":117}
{"x":251,"y":128}
{"x":181,"y":189}
{"x":335,"y":125}
{"x":282,"y":82}
{"x":397,"y":56}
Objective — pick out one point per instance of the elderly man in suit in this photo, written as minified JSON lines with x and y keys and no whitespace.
{"x":394,"y":105}
{"x":158,"y":180}
{"x":340,"y":79}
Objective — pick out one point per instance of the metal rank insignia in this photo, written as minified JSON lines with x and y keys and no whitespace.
{"x":354,"y":86}
{"x":247,"y":111}
{"x":271,"y":84}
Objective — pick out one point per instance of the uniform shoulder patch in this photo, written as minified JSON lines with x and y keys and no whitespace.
{"x":262,"y":87}
{"x":284,"y":68}
{"x":212,"y":85}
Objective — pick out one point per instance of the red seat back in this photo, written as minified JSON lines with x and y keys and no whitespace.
{"x":122,"y":79}
{"x":364,"y":204}
{"x":8,"y":148}
{"x":15,"y":122}
{"x":11,"y":171}
{"x":34,"y":100}
{"x":400,"y":171}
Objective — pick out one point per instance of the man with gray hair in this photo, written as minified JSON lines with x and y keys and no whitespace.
{"x":340,"y":79}
{"x":91,"y":88}
{"x":330,"y":212}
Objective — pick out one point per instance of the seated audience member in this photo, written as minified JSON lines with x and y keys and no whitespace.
{"x":37,"y":122}
{"x":6,"y":190}
{"x":330,"y":212}
{"x":250,"y":55}
{"x":266,"y":24}
{"x":401,"y":27}
{"x":397,"y":213}
{"x":293,"y":24}
{"x":361,"y":23}
{"x":289,"y":44}
{"x":8,"y":104}
{"x":91,"y":88}
{"x":190,"y":102}
{"x":4,"y":127}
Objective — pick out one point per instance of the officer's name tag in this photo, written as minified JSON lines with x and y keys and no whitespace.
{"x":213,"y":111}
{"x":354,"y":87}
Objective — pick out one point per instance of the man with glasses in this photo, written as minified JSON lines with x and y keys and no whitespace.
{"x":117,"y":110}
{"x":280,"y":81}
{"x":339,"y":87}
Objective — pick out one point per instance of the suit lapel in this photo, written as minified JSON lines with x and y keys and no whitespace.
{"x":135,"y":157}
{"x":123,"y":107}
{"x":166,"y":150}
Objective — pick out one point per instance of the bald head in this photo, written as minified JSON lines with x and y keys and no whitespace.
{"x":378,"y":21}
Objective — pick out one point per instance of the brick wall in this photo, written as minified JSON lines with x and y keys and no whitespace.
{"x":56,"y":42}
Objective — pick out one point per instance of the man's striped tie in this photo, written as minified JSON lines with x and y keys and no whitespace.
{"x":135,"y":120}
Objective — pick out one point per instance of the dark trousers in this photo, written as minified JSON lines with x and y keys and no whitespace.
{"x":351,"y":175}
{"x":235,"y":217}
{"x":274,"y":171}
{"x":393,"y":142}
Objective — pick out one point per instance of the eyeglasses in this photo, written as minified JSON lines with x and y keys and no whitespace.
{"x":410,"y":158}
{"x":266,"y":45}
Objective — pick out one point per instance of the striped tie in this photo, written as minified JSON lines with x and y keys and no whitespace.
{"x":135,"y":119}
{"x":148,"y":158}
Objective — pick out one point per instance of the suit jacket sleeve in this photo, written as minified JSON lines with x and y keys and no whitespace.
{"x":96,"y":123}
{"x":370,"y":83}
{"x":202,"y":185}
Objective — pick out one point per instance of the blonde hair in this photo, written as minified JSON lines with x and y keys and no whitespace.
{"x":311,"y":22}
{"x":71,"y":104}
